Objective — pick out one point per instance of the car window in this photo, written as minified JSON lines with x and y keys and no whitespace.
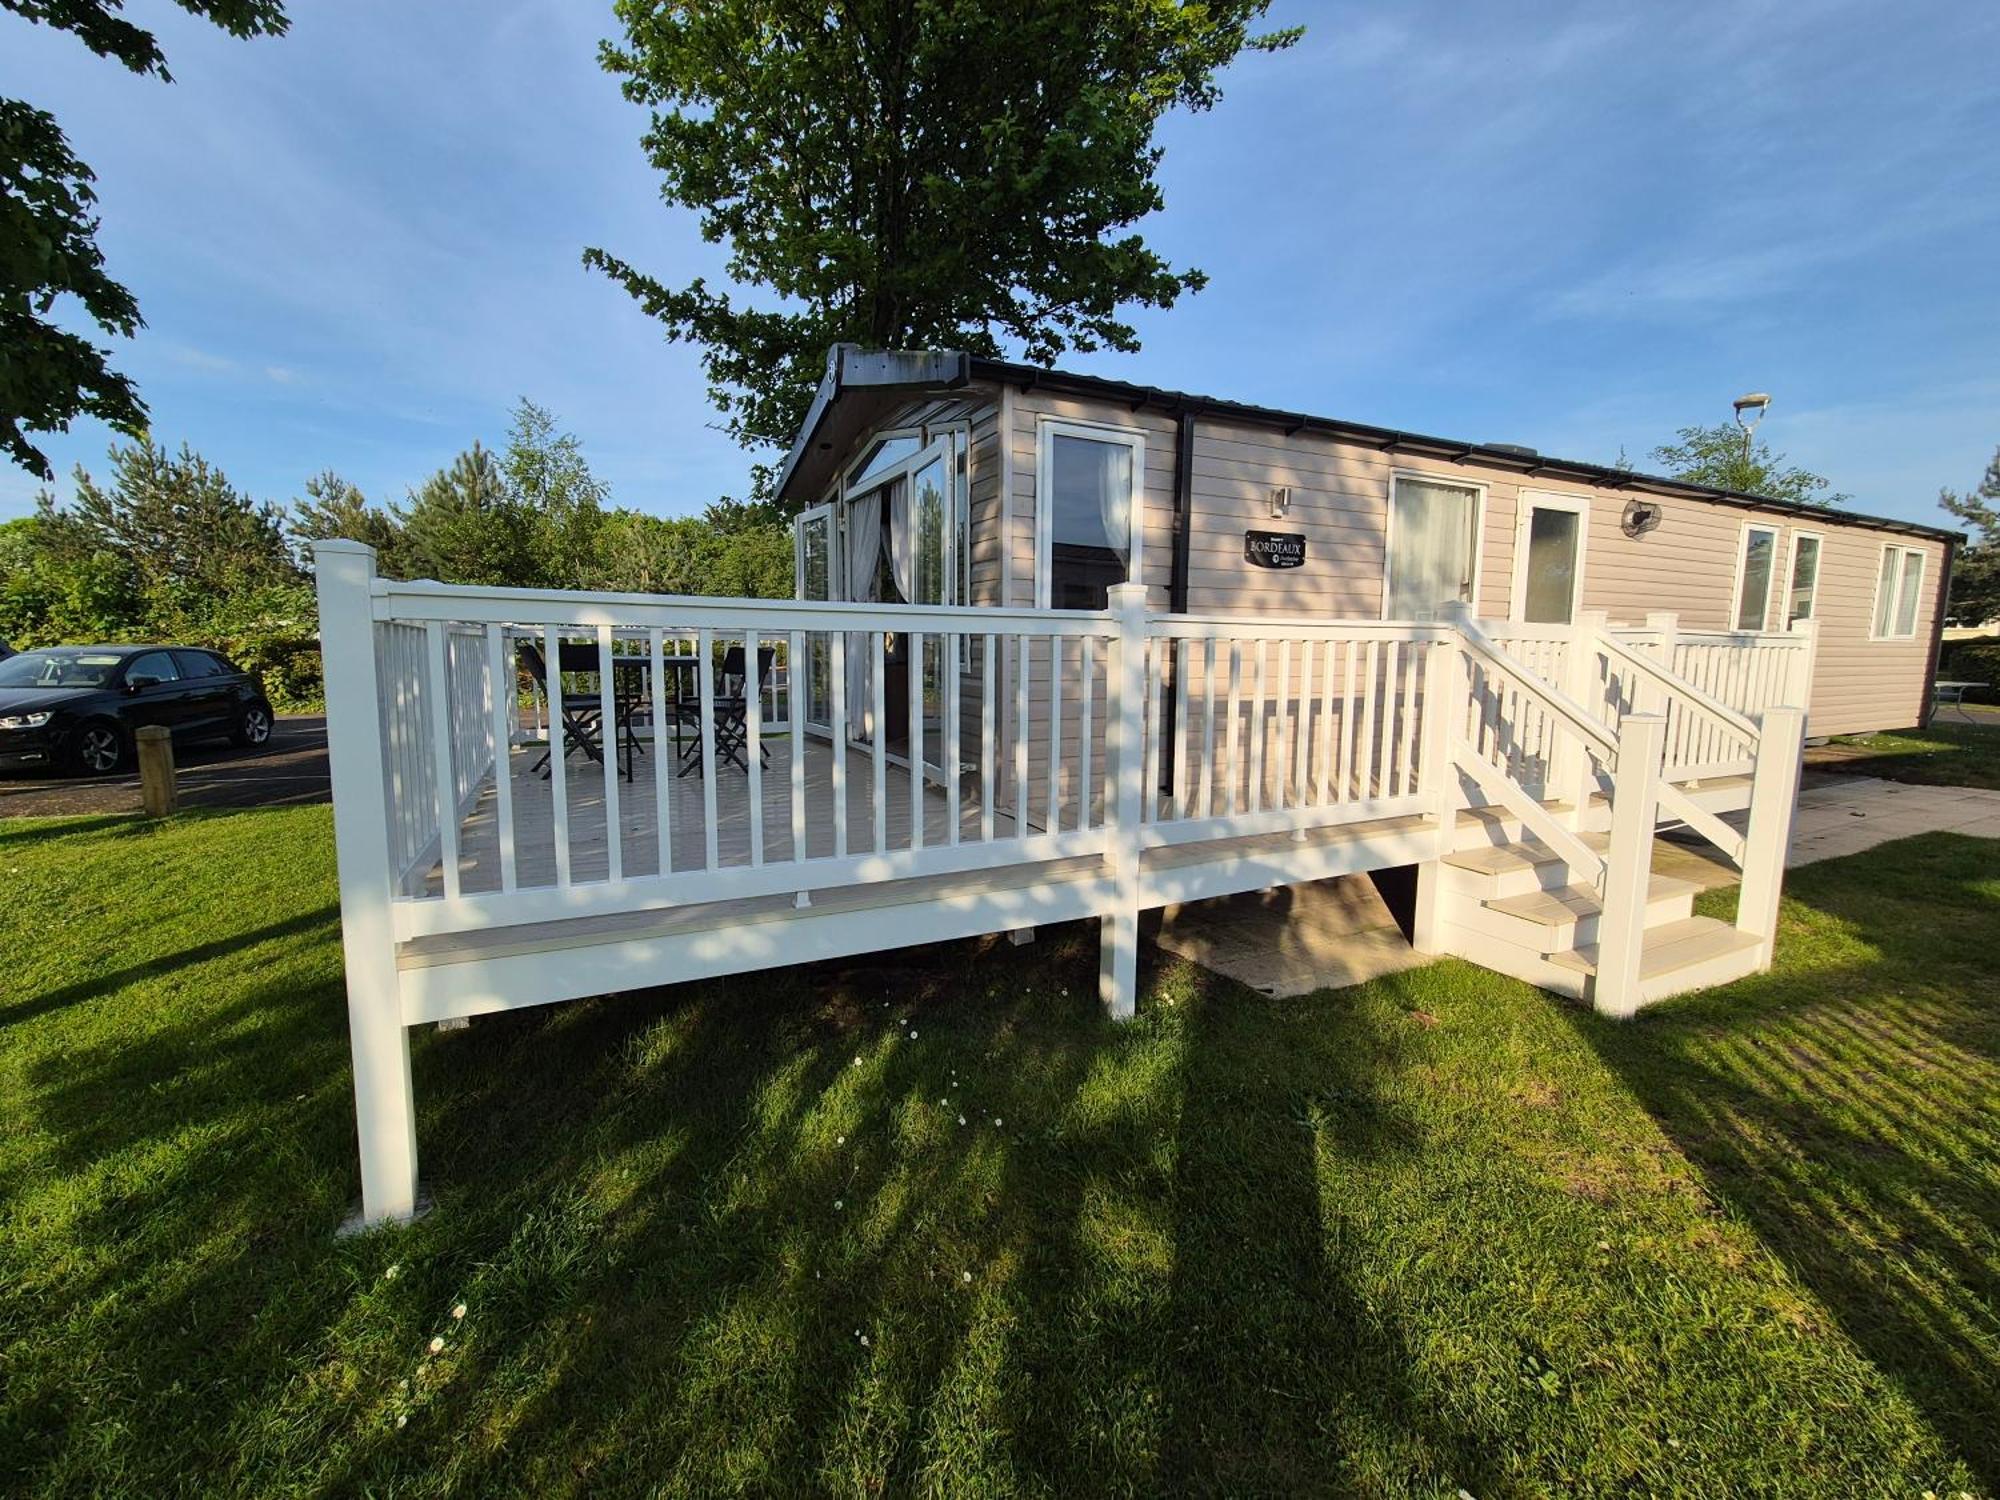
{"x":199,"y":664}
{"x":158,"y":665}
{"x":52,"y":669}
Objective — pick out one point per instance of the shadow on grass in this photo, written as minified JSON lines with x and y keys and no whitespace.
{"x":727,"y":1237}
{"x":1274,"y":1364}
{"x":325,"y":919}
{"x":1847,"y":1107}
{"x":37,"y":830}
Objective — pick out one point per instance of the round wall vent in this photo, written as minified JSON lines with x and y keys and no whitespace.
{"x":1641,"y":516}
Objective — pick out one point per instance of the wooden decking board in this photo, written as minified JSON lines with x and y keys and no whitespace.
{"x":1673,"y":945}
{"x":1491,"y":815}
{"x":638,"y":822}
{"x":1558,"y":908}
{"x":1500,"y":859}
{"x":1175,"y":856}
{"x":571,"y":932}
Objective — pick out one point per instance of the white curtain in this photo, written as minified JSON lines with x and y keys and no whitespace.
{"x":864,"y":545}
{"x":864,"y":556}
{"x":1430,"y":560}
{"x":902,"y":541}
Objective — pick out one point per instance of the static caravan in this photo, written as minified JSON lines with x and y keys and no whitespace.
{"x":1070,"y":649}
{"x":940,"y":478}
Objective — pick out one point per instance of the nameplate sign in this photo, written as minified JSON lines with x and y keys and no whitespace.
{"x":1275,"y":549}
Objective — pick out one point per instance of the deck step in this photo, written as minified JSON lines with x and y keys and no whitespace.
{"x":1494,"y":814}
{"x":1570,"y":903}
{"x":1522,"y":854}
{"x":1669,"y":947}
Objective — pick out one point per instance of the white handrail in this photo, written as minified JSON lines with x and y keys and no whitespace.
{"x":1686,"y":691}
{"x":1548,"y":695}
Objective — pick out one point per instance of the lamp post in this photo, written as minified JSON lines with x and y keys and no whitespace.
{"x":1756,"y":404}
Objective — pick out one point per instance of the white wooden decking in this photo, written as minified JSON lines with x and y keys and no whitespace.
{"x":639,"y":821}
{"x":670,"y":877}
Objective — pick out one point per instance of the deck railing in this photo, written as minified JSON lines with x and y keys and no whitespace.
{"x":924,"y":744}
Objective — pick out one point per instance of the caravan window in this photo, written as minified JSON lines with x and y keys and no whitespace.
{"x":1753,"y":576}
{"x":1898,"y":587}
{"x":1088,"y":510}
{"x":1804,"y":588}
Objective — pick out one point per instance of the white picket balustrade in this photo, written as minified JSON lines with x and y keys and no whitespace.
{"x":685,"y":753}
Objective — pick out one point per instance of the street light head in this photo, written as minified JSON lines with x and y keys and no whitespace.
{"x":1753,"y":407}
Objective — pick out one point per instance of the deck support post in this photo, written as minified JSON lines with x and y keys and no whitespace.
{"x":384,"y":1103}
{"x":1628,"y":866}
{"x":1774,"y":792}
{"x":1125,"y":764}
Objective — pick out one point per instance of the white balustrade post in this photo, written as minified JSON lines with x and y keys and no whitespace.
{"x":384,"y":1106}
{"x":1628,"y":866}
{"x":1799,"y":685}
{"x":1571,"y":778}
{"x":1445,"y":687}
{"x":1774,"y":792}
{"x":1125,"y":764}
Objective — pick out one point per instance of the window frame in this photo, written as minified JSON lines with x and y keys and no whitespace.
{"x":1818,"y":539}
{"x":1763,"y":625}
{"x":132,"y":665}
{"x":1480,"y":489}
{"x":1876,"y":614}
{"x":956,"y":438}
{"x":1527,"y":503}
{"x":1047,"y":430}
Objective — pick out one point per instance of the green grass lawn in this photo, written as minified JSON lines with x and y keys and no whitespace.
{"x":1942,"y":755}
{"x":1438,"y":1231}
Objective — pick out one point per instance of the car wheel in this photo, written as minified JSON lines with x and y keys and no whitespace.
{"x":253,"y":726}
{"x":99,"y":747}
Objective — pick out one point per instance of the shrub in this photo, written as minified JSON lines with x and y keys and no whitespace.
{"x":1975,"y":661}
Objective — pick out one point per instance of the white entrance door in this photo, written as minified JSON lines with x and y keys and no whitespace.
{"x":1548,"y":558}
{"x":817,"y":579}
{"x":1433,"y":547}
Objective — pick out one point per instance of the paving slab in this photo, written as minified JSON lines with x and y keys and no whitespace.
{"x":1294,"y":939}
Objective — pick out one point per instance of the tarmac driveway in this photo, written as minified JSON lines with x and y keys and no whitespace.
{"x":290,"y":769}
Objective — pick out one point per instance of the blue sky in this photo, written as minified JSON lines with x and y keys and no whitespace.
{"x":1575,"y":227}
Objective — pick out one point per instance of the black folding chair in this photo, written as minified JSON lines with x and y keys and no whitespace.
{"x":582,"y":714}
{"x":732,"y":712}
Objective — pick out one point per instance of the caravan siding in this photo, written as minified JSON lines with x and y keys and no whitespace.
{"x":1689,"y":565}
{"x":1339,"y":502}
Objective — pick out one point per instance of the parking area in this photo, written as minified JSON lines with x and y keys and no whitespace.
{"x":291,"y":769}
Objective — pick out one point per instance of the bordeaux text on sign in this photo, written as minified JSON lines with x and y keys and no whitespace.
{"x":1275,"y":549}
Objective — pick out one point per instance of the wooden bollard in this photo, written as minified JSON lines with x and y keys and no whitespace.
{"x":159,"y":794}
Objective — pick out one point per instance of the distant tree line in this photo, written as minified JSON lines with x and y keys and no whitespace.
{"x":165,"y":547}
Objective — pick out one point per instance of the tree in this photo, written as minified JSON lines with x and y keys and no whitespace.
{"x":162,"y":548}
{"x":732,"y":549}
{"x":549,"y":477}
{"x":911,"y":173}
{"x":1975,"y":574}
{"x":1721,"y":456}
{"x":463,"y":525}
{"x":334,"y":508}
{"x":48,"y":238}
{"x":189,"y":536}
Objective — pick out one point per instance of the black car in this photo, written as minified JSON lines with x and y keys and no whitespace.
{"x":76,"y":706}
